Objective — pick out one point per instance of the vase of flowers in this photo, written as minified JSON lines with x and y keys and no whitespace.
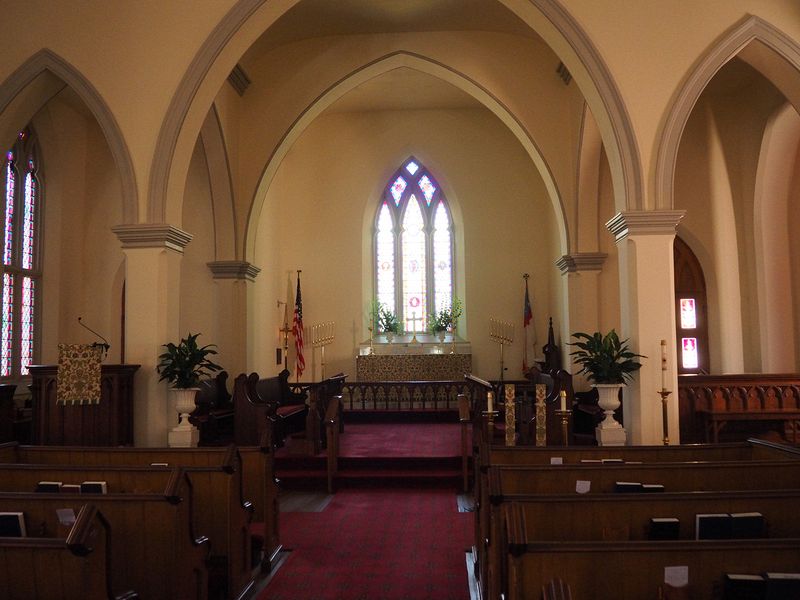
{"x":446,"y":319}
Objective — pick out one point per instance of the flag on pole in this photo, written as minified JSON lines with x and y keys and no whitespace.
{"x":527,"y":317}
{"x":297,"y":330}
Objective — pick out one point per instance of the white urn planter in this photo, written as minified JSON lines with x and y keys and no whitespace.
{"x":184,"y":435}
{"x":609,"y":432}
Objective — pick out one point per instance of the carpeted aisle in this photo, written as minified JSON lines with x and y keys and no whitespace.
{"x":376,"y":544}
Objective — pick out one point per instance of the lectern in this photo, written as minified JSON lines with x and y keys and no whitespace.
{"x":107,"y":423}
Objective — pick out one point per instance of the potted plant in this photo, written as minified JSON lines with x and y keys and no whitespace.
{"x":388,"y":323}
{"x":182,"y":365}
{"x":609,"y":364}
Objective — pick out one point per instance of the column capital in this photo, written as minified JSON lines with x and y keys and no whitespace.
{"x":152,"y":235}
{"x":644,"y":222}
{"x":581,"y":261}
{"x":233,"y":269}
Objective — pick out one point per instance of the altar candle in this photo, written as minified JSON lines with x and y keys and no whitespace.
{"x":663,"y":364}
{"x":490,"y":401}
{"x":563,"y":398}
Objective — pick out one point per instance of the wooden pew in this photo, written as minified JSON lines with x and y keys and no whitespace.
{"x":75,"y":567}
{"x":156,"y":550}
{"x":216,"y":477}
{"x":213,"y":416}
{"x":576,"y":518}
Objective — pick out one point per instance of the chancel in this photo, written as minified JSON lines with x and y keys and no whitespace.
{"x":449,"y":177}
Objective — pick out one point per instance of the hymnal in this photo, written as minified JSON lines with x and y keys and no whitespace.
{"x":781,"y":586}
{"x":159,"y":464}
{"x":664,"y":528}
{"x":743,"y":586}
{"x":66,"y":516}
{"x":712,"y":526}
{"x":12,"y":524}
{"x":650,"y":488}
{"x":591,"y":460}
{"x":70,"y":488}
{"x":48,"y":487}
{"x":627,"y":487}
{"x":94,"y":487}
{"x":748,"y":525}
{"x":611,"y":460}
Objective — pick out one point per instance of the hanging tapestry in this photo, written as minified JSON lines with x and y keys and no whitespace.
{"x":78,"y":380}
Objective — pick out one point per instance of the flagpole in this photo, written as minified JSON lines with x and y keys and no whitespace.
{"x":297,"y":371}
{"x":525,"y":276}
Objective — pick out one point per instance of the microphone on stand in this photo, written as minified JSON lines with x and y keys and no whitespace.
{"x":105,"y":345}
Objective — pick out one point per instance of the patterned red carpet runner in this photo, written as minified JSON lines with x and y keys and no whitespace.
{"x":378,"y":544}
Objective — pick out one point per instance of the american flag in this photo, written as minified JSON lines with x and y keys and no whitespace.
{"x":297,"y":330}
{"x":527,"y":317}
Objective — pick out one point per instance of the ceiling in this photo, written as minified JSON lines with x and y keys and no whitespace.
{"x":403,"y":89}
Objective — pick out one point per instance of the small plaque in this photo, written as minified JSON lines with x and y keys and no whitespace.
{"x":676,"y":576}
{"x":556,"y":460}
{"x":582,"y":486}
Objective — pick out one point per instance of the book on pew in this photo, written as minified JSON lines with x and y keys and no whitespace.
{"x":70,"y":488}
{"x":49,"y":487}
{"x":748,"y":525}
{"x":781,"y":586}
{"x":159,"y":464}
{"x":712,"y":526}
{"x":591,"y":460}
{"x":744,"y":586}
{"x":664,"y":528}
{"x":94,"y":487}
{"x":651,"y":488}
{"x":12,"y":524}
{"x":627,"y":487}
{"x":611,"y":460}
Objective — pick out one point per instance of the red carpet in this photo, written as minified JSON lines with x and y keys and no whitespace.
{"x":400,"y":439}
{"x":376,"y":544}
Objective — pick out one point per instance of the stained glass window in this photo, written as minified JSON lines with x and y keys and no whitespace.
{"x":689,"y":353}
{"x":688,"y":313}
{"x":413,"y":247}
{"x":20,"y":262}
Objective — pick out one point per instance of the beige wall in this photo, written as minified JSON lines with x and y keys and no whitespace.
{"x":318,"y":211}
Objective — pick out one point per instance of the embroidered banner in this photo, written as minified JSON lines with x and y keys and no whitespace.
{"x":78,"y":380}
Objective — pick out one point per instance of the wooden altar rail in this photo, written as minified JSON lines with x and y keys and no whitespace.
{"x":707,"y":403}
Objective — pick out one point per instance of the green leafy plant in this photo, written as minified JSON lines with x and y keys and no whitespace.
{"x":388,"y":321}
{"x":604,"y":358}
{"x":183,"y":364}
{"x":446,"y":318}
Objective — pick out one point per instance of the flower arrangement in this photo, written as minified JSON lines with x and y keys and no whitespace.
{"x":388,"y":321}
{"x":447,"y":317}
{"x":604,"y":358}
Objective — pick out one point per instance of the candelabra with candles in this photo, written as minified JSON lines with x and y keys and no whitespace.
{"x":664,"y":392}
{"x":503,"y":334}
{"x":322,"y":335}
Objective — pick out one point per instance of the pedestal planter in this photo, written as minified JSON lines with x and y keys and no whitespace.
{"x":184,"y":435}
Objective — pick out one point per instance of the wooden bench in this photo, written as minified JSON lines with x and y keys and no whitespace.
{"x":214,"y":417}
{"x":217,"y":484}
{"x":575,"y":518}
{"x":77,"y":566}
{"x":156,"y":549}
{"x":715,"y":420}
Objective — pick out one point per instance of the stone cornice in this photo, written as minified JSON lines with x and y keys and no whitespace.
{"x":581,"y":261}
{"x":644,"y":222}
{"x":239,"y":80}
{"x":233,"y":269}
{"x":152,"y":235}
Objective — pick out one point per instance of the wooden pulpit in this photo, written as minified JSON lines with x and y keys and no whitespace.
{"x":107,"y":423}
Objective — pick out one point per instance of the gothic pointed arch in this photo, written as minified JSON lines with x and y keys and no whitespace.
{"x":425,"y":65}
{"x":756,"y":42}
{"x":37,"y":81}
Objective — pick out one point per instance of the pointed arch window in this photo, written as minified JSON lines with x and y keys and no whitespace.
{"x":21,"y":269}
{"x":413,"y":246}
{"x":691,"y":309}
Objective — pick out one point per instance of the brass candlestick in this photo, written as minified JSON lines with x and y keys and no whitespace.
{"x":488,"y":425}
{"x":564,"y":416}
{"x":664,"y":393}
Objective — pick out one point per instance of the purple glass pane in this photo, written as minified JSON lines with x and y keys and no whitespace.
{"x":28,"y":220}
{"x":8,"y":244}
{"x":6,"y":350}
{"x":398,"y":187}
{"x":26,"y":354}
{"x":427,"y":187}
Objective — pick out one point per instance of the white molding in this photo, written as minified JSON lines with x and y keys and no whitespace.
{"x":581,"y":261}
{"x":233,"y":269}
{"x":152,"y":235}
{"x":644,"y":222}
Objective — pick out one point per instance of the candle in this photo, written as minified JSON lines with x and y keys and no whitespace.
{"x":663,"y":364}
{"x":490,"y":400}
{"x":563,"y":398}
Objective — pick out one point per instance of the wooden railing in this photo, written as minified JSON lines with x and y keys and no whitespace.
{"x":700,"y":395}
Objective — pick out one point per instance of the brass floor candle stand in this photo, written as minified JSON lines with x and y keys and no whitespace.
{"x":502,"y":333}
{"x":664,"y":393}
{"x":564,"y":416}
{"x":322,"y":335}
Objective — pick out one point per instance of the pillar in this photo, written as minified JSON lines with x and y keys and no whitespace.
{"x":647,"y":303}
{"x":152,"y":305}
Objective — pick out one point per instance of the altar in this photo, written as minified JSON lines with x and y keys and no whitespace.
{"x":426,"y":359}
